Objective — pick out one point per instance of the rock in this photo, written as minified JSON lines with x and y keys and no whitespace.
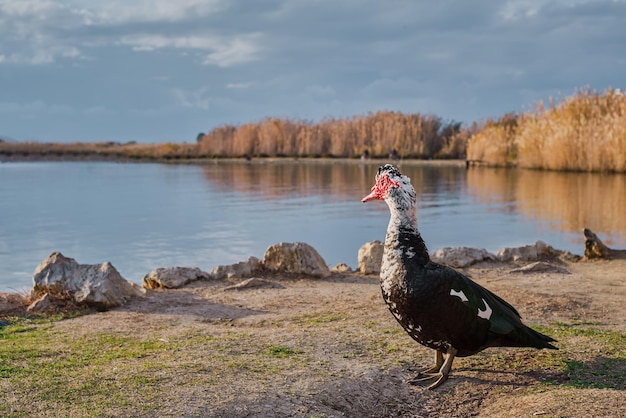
{"x":540,"y":266}
{"x":341,"y":268}
{"x":370,"y":257}
{"x":44,"y":304}
{"x":253,"y":283}
{"x":241,"y":269}
{"x":4,"y":323}
{"x":595,"y":248}
{"x":534,"y":252}
{"x":96,"y":285}
{"x":459,"y":257}
{"x":11,"y":301}
{"x":172,"y":277}
{"x":297,"y":257}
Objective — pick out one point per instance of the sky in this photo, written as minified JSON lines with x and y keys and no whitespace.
{"x":165,"y":71}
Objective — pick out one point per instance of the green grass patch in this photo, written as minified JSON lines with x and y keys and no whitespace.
{"x":282,"y":352}
{"x":590,"y":357}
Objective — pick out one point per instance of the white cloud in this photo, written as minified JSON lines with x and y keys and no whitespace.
{"x":192,"y":99}
{"x":123,"y":11}
{"x":235,"y":51}
{"x":224,"y":52}
{"x":239,"y":86}
{"x":28,"y":7}
{"x":40,"y":31}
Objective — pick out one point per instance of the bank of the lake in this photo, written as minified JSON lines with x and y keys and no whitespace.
{"x":317,"y":347}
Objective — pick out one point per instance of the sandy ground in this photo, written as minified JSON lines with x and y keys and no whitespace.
{"x":344,"y":354}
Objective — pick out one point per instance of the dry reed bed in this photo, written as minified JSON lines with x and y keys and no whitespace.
{"x":585,"y":132}
{"x":377,"y":134}
{"x":98,"y":150}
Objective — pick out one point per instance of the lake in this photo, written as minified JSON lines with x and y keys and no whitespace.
{"x":143,"y":216}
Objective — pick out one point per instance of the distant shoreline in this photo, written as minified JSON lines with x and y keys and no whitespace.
{"x":207,"y":161}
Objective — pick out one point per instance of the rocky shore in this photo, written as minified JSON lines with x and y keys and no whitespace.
{"x":288,"y":336}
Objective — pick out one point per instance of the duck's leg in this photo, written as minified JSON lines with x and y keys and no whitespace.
{"x":440,"y":374}
{"x":436,"y":367}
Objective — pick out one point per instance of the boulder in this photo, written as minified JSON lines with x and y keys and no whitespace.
{"x":460,"y":257}
{"x":595,"y":248}
{"x":11,"y":301}
{"x":46,"y":303}
{"x":96,"y":285}
{"x":533,"y":252}
{"x":172,"y":277}
{"x":297,"y":257}
{"x":241,"y":269}
{"x":341,"y":268}
{"x":370,"y":257}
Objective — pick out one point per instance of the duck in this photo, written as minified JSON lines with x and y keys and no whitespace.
{"x":438,"y":306}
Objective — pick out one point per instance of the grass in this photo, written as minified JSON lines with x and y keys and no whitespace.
{"x":109,"y":374}
{"x":411,"y":135}
{"x":130,"y":151}
{"x":588,"y":357}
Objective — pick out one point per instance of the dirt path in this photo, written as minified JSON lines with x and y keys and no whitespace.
{"x":330,"y":348}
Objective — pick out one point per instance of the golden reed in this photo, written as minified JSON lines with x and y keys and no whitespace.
{"x":584,"y":132}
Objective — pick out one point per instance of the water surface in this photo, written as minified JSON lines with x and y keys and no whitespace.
{"x":143,"y":216}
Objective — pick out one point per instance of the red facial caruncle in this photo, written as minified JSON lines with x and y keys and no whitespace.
{"x":380,"y":188}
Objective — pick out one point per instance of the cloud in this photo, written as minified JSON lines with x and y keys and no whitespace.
{"x":122,"y":11}
{"x":192,"y":98}
{"x":239,"y":86}
{"x":41,"y":31}
{"x":221,"y":61}
{"x":223,"y":52}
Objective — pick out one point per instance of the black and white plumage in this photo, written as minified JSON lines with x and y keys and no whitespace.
{"x":438,"y":306}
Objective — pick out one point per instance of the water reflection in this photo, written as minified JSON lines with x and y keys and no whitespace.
{"x":334,"y":181}
{"x":561,"y":202}
{"x":565,"y":202}
{"x":143,"y":216}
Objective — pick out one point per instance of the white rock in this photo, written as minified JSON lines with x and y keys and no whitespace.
{"x":533,"y":252}
{"x":297,"y":257}
{"x":370,"y":257}
{"x":97,"y":285}
{"x":460,"y":257}
{"x":172,"y":277}
{"x":241,"y":269}
{"x":341,"y":268}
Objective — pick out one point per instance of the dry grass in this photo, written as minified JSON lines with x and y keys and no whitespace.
{"x":98,"y":150}
{"x":316,"y":347}
{"x":584,"y":132}
{"x":411,"y":135}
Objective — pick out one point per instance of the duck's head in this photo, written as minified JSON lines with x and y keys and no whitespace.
{"x":393,"y":187}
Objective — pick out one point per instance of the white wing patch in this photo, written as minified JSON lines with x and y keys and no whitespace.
{"x":487,"y":312}
{"x":459,"y":294}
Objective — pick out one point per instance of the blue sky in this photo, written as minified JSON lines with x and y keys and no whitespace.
{"x":163,"y":70}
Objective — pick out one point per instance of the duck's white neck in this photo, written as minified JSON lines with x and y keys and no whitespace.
{"x":403,"y":244}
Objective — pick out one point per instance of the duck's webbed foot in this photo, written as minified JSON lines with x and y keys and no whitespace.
{"x":438,"y":373}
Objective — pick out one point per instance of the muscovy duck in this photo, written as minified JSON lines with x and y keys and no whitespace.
{"x":436,"y":305}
